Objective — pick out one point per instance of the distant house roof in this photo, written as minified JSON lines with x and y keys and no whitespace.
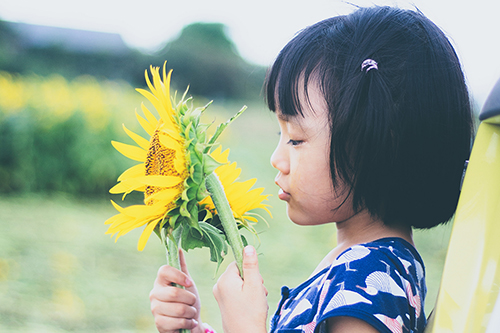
{"x":74,"y":40}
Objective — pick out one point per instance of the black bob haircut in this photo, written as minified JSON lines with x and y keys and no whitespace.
{"x":400,"y":134}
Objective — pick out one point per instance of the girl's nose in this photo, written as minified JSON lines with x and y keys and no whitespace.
{"x":279,"y":160}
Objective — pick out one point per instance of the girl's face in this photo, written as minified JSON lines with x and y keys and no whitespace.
{"x":302,"y":160}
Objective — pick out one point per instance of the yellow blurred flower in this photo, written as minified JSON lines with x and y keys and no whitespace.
{"x":13,"y":93}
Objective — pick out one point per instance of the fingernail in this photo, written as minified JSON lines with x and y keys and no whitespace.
{"x":195,"y":322}
{"x":188,"y":282}
{"x":249,"y":250}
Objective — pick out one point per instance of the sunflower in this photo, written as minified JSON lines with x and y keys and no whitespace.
{"x":171,"y":164}
{"x":173,"y":167}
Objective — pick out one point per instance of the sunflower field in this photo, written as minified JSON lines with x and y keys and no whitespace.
{"x":55,"y":133}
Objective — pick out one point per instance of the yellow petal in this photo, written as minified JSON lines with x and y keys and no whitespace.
{"x":143,"y":143}
{"x":170,"y":142}
{"x":136,"y":211}
{"x":173,"y":133}
{"x":151,"y":97}
{"x":159,"y":86}
{"x":148,"y":81}
{"x":219,"y":156}
{"x":250,"y":218}
{"x":129,"y":225}
{"x":132,"y":152}
{"x":166,"y":195}
{"x":159,"y":181}
{"x":117,"y":207}
{"x":149,"y":116}
{"x":126,"y":186}
{"x":166,"y":90}
{"x":122,"y":227}
{"x":240,"y":188}
{"x":228,"y":173}
{"x":120,"y":218}
{"x":145,"y":124}
{"x":132,"y":172}
{"x":146,"y":233}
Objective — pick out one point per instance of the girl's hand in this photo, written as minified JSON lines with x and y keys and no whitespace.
{"x":175,"y":308}
{"x":243,"y":303}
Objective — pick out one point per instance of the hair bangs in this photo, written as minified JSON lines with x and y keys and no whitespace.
{"x":289,"y":76}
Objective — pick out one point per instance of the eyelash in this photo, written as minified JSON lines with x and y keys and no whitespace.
{"x":294,"y":142}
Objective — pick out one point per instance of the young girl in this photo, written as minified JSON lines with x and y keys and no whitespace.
{"x":375,"y":128}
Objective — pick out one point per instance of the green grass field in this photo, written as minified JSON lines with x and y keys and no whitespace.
{"x":59,"y":272}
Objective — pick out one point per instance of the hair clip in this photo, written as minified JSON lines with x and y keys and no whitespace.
{"x":370,"y":63}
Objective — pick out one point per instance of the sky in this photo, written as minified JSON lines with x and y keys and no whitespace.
{"x":260,"y":28}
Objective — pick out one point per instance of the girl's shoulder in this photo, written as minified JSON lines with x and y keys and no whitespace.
{"x":392,"y":251}
{"x":380,"y":282}
{"x":391,"y":257}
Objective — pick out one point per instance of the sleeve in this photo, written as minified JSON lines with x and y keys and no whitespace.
{"x":366,"y":284}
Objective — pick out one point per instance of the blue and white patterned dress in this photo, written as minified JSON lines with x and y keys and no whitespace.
{"x":381,"y":283}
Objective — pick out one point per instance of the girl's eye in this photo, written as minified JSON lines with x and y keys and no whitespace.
{"x":294,"y":142}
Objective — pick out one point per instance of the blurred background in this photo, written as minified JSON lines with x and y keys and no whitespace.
{"x":68,"y":71}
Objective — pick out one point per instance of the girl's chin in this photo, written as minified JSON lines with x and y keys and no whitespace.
{"x":299,"y":218}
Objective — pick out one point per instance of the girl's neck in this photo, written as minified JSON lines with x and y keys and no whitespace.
{"x":363,"y":228}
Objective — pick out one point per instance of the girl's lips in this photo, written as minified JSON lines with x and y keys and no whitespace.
{"x":283,"y":195}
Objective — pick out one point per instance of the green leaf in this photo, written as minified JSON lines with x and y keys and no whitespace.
{"x":202,"y":132}
{"x":206,"y":106}
{"x":183,"y":209}
{"x":209,"y":164}
{"x":192,"y":193}
{"x":176,"y":234}
{"x":189,"y":182}
{"x":216,"y":241}
{"x":199,"y":148}
{"x":193,"y":212}
{"x":186,"y":122}
{"x":244,"y":240}
{"x":191,"y":238}
{"x":202,"y":192}
{"x":184,"y":194}
{"x":197,"y":173}
{"x":172,"y":220}
{"x":222,"y":127}
{"x":204,"y":214}
{"x":206,"y":236}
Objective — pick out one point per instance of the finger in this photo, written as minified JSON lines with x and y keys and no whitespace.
{"x":168,"y":275}
{"x":172,"y":294}
{"x":169,"y":324}
{"x":251,"y":266}
{"x":174,"y":310}
{"x":229,"y":280}
{"x":182,"y":261}
{"x":231,"y":275}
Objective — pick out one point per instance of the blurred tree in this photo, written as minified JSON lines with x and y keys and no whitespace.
{"x":27,"y":49}
{"x":9,"y":47}
{"x":204,"y":58}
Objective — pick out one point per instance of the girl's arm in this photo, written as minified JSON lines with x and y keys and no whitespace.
{"x":243,"y":303}
{"x":175,"y":308}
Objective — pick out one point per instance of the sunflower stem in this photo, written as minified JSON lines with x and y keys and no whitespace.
{"x":173,"y":257}
{"x":225,"y":213}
